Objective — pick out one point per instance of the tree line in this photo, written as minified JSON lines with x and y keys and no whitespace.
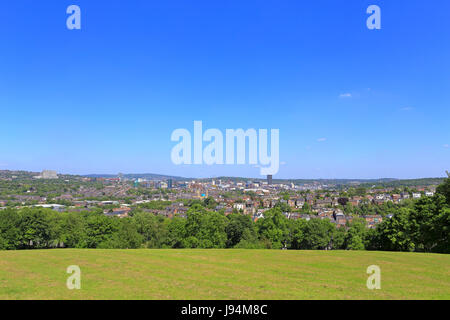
{"x":422,"y":227}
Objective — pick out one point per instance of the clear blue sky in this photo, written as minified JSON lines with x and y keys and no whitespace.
{"x":349,"y":102}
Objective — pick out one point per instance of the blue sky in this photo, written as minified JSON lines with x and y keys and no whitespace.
{"x":349,"y":102}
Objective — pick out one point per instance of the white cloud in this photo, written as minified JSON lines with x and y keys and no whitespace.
{"x":345,"y":95}
{"x":446,"y":146}
{"x":406,"y":108}
{"x":321,"y":139}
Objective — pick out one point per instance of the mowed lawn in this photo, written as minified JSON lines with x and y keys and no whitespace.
{"x":222,"y":274}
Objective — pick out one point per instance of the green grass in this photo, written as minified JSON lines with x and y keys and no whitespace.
{"x":222,"y":274}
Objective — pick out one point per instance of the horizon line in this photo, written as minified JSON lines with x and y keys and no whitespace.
{"x":218,"y":177}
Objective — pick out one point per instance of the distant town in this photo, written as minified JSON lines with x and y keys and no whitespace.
{"x":339,"y":201}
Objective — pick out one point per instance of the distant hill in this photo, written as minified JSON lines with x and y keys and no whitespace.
{"x":309,"y":181}
{"x":384,"y":182}
{"x":381,"y":182}
{"x":147,"y":176}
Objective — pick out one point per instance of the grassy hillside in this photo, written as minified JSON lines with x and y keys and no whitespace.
{"x":222,"y":274}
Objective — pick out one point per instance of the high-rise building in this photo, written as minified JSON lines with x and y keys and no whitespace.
{"x":170,"y":183}
{"x":47,"y":174}
{"x":269,"y":179}
{"x":163,"y":185}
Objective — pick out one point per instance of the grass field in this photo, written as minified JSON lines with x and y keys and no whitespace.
{"x":222,"y":274}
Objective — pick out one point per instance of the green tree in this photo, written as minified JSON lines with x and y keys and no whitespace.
{"x":393,"y":234}
{"x":338,"y":238}
{"x":317,"y":234}
{"x":126,"y":236}
{"x":355,"y":236}
{"x":35,"y":228}
{"x":100,"y":230}
{"x":176,"y":232}
{"x":204,"y":229}
{"x":73,"y":230}
{"x":236,"y":227}
{"x":274,"y":227}
{"x":152,"y":228}
{"x":9,"y":230}
{"x":296,"y":232}
{"x":444,"y":189}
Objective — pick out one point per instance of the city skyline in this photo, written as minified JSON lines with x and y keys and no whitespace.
{"x":168,"y":176}
{"x":349,"y":102}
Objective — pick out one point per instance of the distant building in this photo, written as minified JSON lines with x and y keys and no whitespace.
{"x":170,"y":183}
{"x":269,"y":179}
{"x":55,"y":207}
{"x":163,"y":185}
{"x":372,"y":220}
{"x":47,"y":174}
